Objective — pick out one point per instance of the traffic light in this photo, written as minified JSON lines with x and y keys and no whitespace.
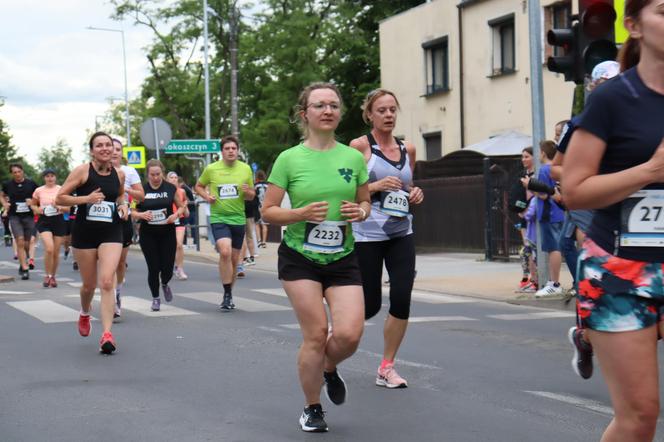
{"x":596,"y":39}
{"x":586,"y":43}
{"x":569,"y":64}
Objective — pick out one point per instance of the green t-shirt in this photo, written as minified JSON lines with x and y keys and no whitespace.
{"x":310,"y":176}
{"x":226,"y":185}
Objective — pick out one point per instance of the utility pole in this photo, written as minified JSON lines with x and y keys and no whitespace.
{"x":537,"y":103}
{"x":233,"y":48}
{"x":206,"y":75}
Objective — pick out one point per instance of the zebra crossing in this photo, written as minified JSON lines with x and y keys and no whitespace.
{"x":49,"y":311}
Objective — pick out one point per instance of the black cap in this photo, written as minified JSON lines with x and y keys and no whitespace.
{"x":47,"y":171}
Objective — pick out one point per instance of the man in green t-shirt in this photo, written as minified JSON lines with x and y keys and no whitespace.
{"x":230,"y":183}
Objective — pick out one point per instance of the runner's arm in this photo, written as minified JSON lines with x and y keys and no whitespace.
{"x":201,"y":190}
{"x":273,"y":213}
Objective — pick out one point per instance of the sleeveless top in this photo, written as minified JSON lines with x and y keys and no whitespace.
{"x":160,"y":202}
{"x":106,"y":212}
{"x":390,"y":217}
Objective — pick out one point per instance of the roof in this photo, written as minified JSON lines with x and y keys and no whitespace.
{"x":507,"y":143}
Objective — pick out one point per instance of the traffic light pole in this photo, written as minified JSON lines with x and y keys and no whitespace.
{"x":537,"y":108}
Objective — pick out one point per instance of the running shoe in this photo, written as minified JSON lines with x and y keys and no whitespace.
{"x":25,"y":274}
{"x":53,"y":283}
{"x":249,"y":261}
{"x":582,"y":362}
{"x":388,"y":377}
{"x":66,"y":254}
{"x":313,"y":419}
{"x":117,"y":312}
{"x":335,"y":387}
{"x":107,"y":343}
{"x":168,"y":294}
{"x":523,"y":283}
{"x":532,"y":287}
{"x":31,"y":263}
{"x":83,"y":325}
{"x":15,"y":257}
{"x":227,"y":303}
{"x":240,"y":271}
{"x":549,"y":290}
{"x":75,"y":265}
{"x":47,"y":281}
{"x":183,"y":275}
{"x":156,"y":304}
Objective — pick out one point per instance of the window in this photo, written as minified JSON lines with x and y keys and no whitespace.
{"x":433,"y":144}
{"x":436,"y":65}
{"x":556,"y":16}
{"x":503,"y":60}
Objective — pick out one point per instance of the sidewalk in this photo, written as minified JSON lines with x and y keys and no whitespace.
{"x":463,"y":274}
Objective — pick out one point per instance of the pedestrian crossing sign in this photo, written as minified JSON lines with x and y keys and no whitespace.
{"x":135,"y":156}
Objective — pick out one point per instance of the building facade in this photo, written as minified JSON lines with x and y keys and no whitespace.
{"x":461,"y":71}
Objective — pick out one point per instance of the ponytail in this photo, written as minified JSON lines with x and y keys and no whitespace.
{"x":629,"y":55}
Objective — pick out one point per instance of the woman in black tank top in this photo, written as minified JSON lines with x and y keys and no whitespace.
{"x":96,"y":233}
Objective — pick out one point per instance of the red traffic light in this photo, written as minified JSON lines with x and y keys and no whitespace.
{"x":598,"y":19}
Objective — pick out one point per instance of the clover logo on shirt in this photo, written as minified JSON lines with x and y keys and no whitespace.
{"x":347,"y":174}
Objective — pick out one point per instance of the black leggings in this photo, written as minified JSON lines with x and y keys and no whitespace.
{"x":399,"y":257}
{"x":159,"y":250}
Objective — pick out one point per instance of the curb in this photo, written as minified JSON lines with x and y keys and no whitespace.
{"x":5,"y":279}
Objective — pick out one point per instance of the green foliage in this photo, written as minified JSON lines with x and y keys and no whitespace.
{"x":58,"y":158}
{"x":286,"y":46}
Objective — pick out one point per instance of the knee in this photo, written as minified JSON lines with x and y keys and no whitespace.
{"x":400,"y":310}
{"x":87,"y":289}
{"x":106,"y":283}
{"x":347,"y":337}
{"x":49,"y":248}
{"x":225,"y":253}
{"x":641,"y":421}
{"x":316,"y":341}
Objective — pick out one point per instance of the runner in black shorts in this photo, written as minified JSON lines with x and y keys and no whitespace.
{"x":15,"y":195}
{"x":327,"y":185}
{"x":615,"y":165}
{"x":51,"y":224}
{"x":97,"y":232}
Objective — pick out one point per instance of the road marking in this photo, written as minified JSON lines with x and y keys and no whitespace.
{"x":8,"y":265}
{"x":65,"y":279}
{"x":437,"y":298}
{"x":574,"y":400}
{"x":270,"y":329}
{"x":142,"y":306}
{"x":46,"y":311}
{"x":399,"y":361}
{"x":415,"y":319}
{"x":296,"y":326}
{"x":75,"y":284}
{"x":275,"y":292}
{"x":533,"y":315}
{"x":11,"y":292}
{"x":242,"y":304}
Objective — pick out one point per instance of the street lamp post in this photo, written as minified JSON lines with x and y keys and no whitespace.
{"x":126,"y":93}
{"x":206,"y":74}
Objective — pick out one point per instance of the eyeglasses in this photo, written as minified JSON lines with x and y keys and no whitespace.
{"x":320,"y":106}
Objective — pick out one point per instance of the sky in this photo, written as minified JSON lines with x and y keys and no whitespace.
{"x":56,"y":76}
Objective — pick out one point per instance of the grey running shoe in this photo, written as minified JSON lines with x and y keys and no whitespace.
{"x":227,"y":303}
{"x":156,"y":304}
{"x":335,"y":387}
{"x":582,"y":362}
{"x":312,"y":419}
{"x":168,"y":294}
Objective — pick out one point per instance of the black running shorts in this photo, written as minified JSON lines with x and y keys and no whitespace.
{"x":293,"y":266}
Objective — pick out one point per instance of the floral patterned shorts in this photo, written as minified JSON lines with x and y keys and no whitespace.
{"x":617,"y":294}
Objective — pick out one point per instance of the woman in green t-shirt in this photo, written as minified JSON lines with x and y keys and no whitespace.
{"x":327,"y":183}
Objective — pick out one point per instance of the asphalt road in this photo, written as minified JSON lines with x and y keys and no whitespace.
{"x":477,"y":370}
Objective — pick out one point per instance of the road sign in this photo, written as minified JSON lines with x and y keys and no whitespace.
{"x":135,"y":156}
{"x":155,"y":134}
{"x":193,"y":146}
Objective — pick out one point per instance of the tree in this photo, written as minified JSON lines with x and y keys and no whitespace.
{"x":58,"y":158}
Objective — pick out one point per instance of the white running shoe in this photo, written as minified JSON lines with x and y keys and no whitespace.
{"x":549,"y":290}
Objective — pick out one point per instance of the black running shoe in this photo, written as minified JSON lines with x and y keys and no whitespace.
{"x":31,"y":263}
{"x":582,"y":362}
{"x":25,"y":275}
{"x":66,"y":254}
{"x":227,"y":303}
{"x":75,"y":265}
{"x":335,"y":387}
{"x":312,"y":419}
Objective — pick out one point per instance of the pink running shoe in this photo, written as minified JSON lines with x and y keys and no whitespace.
{"x":389,"y":378}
